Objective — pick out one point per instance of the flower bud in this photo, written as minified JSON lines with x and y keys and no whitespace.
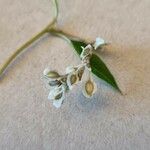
{"x":86,"y":51}
{"x":58,"y":96}
{"x":71,"y":80}
{"x":89,"y":88}
{"x":80,"y":73}
{"x":50,"y":74}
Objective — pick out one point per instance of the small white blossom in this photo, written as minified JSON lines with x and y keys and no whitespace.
{"x":61,"y":84}
{"x":89,"y":88}
{"x":51,"y":74}
{"x":86,"y":55}
{"x":86,"y":51}
{"x":54,"y":92}
{"x":99,"y":42}
{"x":57,"y":102}
{"x":46,"y":71}
{"x":80,"y":72}
{"x":72,"y":79}
{"x":57,"y":95}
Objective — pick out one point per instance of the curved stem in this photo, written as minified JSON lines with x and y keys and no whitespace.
{"x":48,"y":29}
{"x":64,"y":35}
{"x":56,"y":10}
{"x":20,"y":49}
{"x":33,"y":39}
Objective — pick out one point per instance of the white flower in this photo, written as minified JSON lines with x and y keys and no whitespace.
{"x":86,"y":55}
{"x":54,"y":92}
{"x":72,"y":79}
{"x":99,"y":42}
{"x":46,"y":71}
{"x":57,"y":95}
{"x":57,"y":103}
{"x":61,"y":84}
{"x":89,"y":88}
{"x":86,"y":51}
{"x":86,"y":62}
{"x":50,"y":74}
{"x":80,"y":72}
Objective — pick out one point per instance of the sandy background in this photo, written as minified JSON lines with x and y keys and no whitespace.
{"x":109,"y":121}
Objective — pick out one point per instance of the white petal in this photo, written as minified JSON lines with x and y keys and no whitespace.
{"x":89,"y":46}
{"x":70,"y":85}
{"x":86,"y":51}
{"x":46,"y":71}
{"x":95,"y":87}
{"x":51,"y":95}
{"x":57,"y":103}
{"x":98,"y":43}
{"x":55,"y":91}
{"x":80,"y":73}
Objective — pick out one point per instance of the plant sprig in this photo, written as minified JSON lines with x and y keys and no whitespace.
{"x":98,"y":67}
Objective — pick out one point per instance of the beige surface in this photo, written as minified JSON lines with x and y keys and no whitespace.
{"x":109,"y":121}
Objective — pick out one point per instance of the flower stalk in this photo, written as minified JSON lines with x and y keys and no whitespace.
{"x":32,"y":40}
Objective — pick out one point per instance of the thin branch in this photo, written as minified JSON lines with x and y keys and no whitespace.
{"x":29,"y":42}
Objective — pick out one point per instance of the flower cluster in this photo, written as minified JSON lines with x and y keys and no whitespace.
{"x":61,"y":84}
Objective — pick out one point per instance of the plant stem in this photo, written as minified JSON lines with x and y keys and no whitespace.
{"x":33,"y":39}
{"x":64,"y":35}
{"x":20,"y":49}
{"x":48,"y":29}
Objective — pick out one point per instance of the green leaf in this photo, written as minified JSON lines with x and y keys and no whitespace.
{"x":78,"y":45}
{"x":100,"y":70}
{"x":98,"y":66}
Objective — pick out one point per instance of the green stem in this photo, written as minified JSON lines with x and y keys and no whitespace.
{"x":20,"y":49}
{"x":64,"y":35}
{"x":48,"y":29}
{"x":33,"y":39}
